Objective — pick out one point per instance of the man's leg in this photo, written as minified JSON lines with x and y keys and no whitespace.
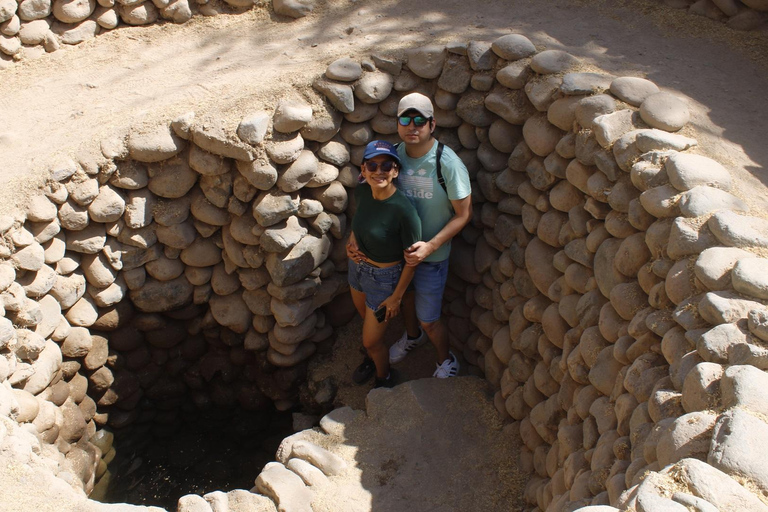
{"x":438,"y":335}
{"x":409,"y":315}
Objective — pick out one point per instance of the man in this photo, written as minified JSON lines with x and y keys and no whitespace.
{"x":444,"y":209}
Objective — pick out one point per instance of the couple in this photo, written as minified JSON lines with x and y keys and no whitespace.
{"x":402,"y":233}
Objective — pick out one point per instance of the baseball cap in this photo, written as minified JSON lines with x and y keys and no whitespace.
{"x":418,"y":102}
{"x":381,"y":147}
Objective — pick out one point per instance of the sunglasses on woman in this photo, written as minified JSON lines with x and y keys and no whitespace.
{"x":383,"y":166}
{"x":418,"y":121}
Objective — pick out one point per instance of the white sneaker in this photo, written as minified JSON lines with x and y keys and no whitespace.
{"x":449,"y":368}
{"x":400,"y":349}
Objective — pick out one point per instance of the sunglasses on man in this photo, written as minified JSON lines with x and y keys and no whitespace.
{"x":418,"y":121}
{"x":384,"y":167}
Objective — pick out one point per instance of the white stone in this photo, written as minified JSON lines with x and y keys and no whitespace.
{"x":253,"y":127}
{"x":687,"y":170}
{"x":665,"y":111}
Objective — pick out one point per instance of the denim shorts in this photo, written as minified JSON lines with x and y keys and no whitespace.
{"x":376,"y":283}
{"x":429,"y":283}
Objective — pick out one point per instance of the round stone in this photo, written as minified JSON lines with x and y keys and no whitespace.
{"x":34,"y":32}
{"x":553,"y":61}
{"x":633,"y":90}
{"x":750,"y":277}
{"x":344,"y":69}
{"x":665,"y":111}
{"x":34,"y":9}
{"x":513,"y":47}
{"x":73,"y":11}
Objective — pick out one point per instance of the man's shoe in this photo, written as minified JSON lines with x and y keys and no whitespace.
{"x":449,"y":368}
{"x":364,"y":372}
{"x":400,"y":349}
{"x":388,"y":382}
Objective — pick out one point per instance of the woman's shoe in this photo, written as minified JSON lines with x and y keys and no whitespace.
{"x":364,"y":372}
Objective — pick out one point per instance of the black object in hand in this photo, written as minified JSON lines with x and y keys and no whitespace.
{"x":381,"y":314}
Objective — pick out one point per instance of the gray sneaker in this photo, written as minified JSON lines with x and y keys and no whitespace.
{"x":400,"y":349}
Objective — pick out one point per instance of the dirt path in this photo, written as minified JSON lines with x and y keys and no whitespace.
{"x":81,"y":94}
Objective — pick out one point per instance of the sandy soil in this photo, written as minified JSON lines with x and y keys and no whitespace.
{"x":232,"y":63}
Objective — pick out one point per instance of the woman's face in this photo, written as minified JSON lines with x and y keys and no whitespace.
{"x":378,"y":178}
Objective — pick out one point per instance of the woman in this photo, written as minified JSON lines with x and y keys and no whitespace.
{"x":384,"y":225}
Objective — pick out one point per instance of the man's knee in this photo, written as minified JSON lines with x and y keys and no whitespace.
{"x":431,"y":327}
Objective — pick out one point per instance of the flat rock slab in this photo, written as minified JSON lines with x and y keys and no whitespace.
{"x":427,"y":444}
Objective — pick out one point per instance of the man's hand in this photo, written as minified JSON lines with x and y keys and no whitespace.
{"x":353,"y":251}
{"x":416,"y":253}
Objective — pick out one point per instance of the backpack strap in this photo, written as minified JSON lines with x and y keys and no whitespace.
{"x":440,"y":178}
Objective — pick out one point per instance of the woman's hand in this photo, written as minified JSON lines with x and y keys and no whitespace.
{"x":353,"y":250}
{"x":392,"y":303}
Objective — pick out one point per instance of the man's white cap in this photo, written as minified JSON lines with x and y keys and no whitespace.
{"x":418,"y":102}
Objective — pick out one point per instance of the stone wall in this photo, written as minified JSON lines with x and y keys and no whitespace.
{"x":30,"y":28}
{"x":735,"y":14}
{"x":610,"y":287}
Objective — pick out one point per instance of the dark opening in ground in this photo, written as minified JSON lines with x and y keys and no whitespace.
{"x":212,"y":450}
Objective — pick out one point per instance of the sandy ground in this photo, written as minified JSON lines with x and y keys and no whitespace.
{"x":232,"y":63}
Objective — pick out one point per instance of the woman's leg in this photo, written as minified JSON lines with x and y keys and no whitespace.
{"x":358,"y":298}
{"x":373,"y":333}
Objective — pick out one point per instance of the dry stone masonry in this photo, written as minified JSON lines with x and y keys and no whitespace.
{"x":611,"y":286}
{"x":31,"y":28}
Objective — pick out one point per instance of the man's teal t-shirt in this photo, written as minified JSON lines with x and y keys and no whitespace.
{"x":418,"y":180}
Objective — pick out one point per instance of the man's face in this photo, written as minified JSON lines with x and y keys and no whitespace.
{"x":413,"y":134}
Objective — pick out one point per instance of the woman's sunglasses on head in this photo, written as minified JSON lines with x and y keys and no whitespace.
{"x":418,"y":121}
{"x":383,"y":166}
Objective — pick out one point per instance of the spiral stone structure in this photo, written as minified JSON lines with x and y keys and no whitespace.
{"x":611,"y":287}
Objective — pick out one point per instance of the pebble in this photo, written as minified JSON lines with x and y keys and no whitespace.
{"x":633,"y":90}
{"x":513,"y":47}
{"x":553,"y":61}
{"x":154,"y":144}
{"x":758,"y":323}
{"x":665,"y":111}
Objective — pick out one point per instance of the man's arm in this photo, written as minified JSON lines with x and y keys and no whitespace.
{"x":462,"y":209}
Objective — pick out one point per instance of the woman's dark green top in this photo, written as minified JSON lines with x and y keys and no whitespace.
{"x":384,"y":229}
